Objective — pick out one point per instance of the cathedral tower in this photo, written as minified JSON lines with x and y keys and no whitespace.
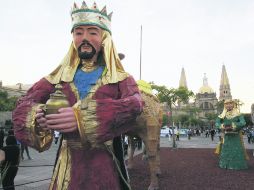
{"x":225,"y":92}
{"x":183,"y":82}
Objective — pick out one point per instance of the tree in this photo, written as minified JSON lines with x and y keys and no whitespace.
{"x":189,"y":116}
{"x":183,"y":119}
{"x":211,"y":117}
{"x":248,"y":120}
{"x":7,"y":103}
{"x":187,"y":120}
{"x":165,"y":120}
{"x":171,"y":97}
{"x":220,"y":106}
{"x":239,"y":103}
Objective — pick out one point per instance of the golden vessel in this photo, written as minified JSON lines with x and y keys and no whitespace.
{"x":56,"y":101}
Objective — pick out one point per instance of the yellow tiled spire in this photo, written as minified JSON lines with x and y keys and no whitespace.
{"x":225,"y":92}
{"x":224,"y":77}
{"x":183,"y":82}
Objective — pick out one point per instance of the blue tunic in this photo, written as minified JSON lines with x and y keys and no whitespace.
{"x":85,"y":80}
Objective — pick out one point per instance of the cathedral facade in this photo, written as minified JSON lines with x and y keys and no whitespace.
{"x":205,"y":99}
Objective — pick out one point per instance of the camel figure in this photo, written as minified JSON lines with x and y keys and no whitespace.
{"x":147,"y":127}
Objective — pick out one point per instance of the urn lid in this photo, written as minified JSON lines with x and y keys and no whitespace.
{"x":58,"y":94}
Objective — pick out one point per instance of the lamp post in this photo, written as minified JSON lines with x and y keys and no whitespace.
{"x":19,"y":86}
{"x":140,"y":58}
{"x":173,"y":135}
{"x":173,"y":130}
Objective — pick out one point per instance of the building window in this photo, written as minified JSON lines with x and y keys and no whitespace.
{"x":206,"y":105}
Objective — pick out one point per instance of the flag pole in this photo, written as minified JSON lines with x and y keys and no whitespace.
{"x":140,"y":61}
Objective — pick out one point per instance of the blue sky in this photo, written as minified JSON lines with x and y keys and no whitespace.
{"x":199,"y":35}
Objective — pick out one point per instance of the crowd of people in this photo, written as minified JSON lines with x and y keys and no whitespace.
{"x":192,"y":132}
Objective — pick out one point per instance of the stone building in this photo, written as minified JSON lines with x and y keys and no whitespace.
{"x":13,"y":91}
{"x":205,"y":99}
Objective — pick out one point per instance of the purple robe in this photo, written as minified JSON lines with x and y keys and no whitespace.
{"x":85,"y":161}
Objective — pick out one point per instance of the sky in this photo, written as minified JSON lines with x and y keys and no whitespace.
{"x":197,"y":35}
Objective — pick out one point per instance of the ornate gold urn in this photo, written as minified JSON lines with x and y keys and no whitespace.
{"x":56,"y":101}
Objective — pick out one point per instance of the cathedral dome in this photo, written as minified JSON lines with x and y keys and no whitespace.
{"x":205,"y":89}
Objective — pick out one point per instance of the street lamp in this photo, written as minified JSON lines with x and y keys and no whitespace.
{"x":19,"y":86}
{"x":173,"y":129}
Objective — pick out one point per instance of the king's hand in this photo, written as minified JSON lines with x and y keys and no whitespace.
{"x":228,"y":128}
{"x":64,"y":121}
{"x":40,"y":118}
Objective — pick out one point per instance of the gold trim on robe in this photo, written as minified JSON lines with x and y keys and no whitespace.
{"x":62,"y":171}
{"x":91,"y":124}
{"x":88,"y":114}
{"x":81,"y":125}
{"x":40,"y":138}
{"x":74,"y":90}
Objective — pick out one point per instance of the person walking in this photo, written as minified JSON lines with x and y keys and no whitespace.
{"x":249,"y":136}
{"x":177,"y":135}
{"x":212,"y":132}
{"x":206,"y":133}
{"x":189,"y":134}
{"x":9,"y":156}
{"x":252,"y":135}
{"x":25,"y":148}
{"x":56,"y":136}
{"x":197,"y":132}
{"x":1,"y":138}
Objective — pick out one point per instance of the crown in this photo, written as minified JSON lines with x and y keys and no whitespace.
{"x":90,"y":16}
{"x":228,"y":101}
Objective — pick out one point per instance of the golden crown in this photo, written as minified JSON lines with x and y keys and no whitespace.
{"x":228,"y":101}
{"x":90,"y":16}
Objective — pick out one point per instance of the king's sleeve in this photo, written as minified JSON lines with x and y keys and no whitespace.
{"x":103,"y":119}
{"x":238,"y":122}
{"x":25,"y":126}
{"x":219,"y":123}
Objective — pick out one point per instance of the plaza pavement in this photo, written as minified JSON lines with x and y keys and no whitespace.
{"x":39,"y":169}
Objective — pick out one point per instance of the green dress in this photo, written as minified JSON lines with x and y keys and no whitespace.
{"x":232,"y":155}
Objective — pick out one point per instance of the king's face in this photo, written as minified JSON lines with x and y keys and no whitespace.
{"x":229,"y":106}
{"x":92,"y":34}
